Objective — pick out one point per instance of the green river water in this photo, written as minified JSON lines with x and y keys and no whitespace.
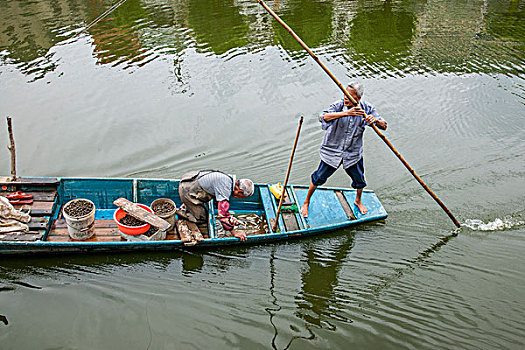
{"x":159,"y":88}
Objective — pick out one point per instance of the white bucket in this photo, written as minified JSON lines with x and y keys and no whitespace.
{"x":169,"y":217}
{"x":83,"y":227}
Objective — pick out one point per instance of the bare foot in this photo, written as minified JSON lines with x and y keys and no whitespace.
{"x":361,"y":207}
{"x":304,"y":209}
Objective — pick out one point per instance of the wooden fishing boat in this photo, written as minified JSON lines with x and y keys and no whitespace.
{"x":330,"y":209}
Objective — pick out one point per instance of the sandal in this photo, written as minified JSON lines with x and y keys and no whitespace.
{"x":19,"y":195}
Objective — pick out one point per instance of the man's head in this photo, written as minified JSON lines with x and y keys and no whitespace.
{"x":243,"y":188}
{"x":355,"y":90}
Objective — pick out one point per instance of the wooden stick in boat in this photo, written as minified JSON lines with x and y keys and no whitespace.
{"x":287,"y":175}
{"x":379,"y":133}
{"x":141,"y":214}
{"x":12,"y":149}
{"x":189,"y":232}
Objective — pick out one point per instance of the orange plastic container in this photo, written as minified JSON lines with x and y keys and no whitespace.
{"x":131,"y":230}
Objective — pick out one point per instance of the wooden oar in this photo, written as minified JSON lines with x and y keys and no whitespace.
{"x":379,"y":133}
{"x":287,"y":175}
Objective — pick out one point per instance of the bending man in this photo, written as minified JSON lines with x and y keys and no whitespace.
{"x":344,"y":123}
{"x":197,"y":188}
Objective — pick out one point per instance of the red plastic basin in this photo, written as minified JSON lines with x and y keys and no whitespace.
{"x":130,"y":230}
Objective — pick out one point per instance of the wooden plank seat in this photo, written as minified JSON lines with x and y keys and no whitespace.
{"x":37,"y":228}
{"x":48,"y":195}
{"x":270,"y":210}
{"x":38,"y":223}
{"x":22,"y":236}
{"x":36,"y":208}
{"x":290,"y":222}
{"x":106,"y":230}
{"x":34,"y":181}
{"x":346,"y":207}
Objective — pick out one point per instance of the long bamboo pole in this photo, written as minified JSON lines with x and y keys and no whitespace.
{"x":11,"y":148}
{"x":379,"y":133}
{"x":287,"y":174}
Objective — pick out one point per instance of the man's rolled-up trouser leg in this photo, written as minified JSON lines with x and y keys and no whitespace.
{"x":323,"y":172}
{"x":357,"y":174}
{"x":196,"y":210}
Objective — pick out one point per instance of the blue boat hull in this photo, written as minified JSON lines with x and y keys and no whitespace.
{"x":330,"y":209}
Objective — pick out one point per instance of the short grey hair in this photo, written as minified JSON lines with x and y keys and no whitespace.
{"x":359,"y":89}
{"x":246,"y":186}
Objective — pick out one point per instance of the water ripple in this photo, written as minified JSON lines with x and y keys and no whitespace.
{"x":495,"y":225}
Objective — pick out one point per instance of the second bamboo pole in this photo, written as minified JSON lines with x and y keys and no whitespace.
{"x":287,"y":175}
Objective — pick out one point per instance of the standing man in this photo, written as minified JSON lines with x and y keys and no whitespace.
{"x":344,"y":123}
{"x":197,"y":188}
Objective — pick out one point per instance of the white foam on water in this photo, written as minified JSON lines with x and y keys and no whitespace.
{"x":496,"y":225}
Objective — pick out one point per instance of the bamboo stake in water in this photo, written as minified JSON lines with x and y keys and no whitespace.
{"x":287,"y":175}
{"x":379,"y":133}
{"x":11,"y":148}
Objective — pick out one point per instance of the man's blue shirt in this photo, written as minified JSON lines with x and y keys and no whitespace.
{"x":343,"y":140}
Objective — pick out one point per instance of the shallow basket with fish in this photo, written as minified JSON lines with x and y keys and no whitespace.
{"x":250,"y":224}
